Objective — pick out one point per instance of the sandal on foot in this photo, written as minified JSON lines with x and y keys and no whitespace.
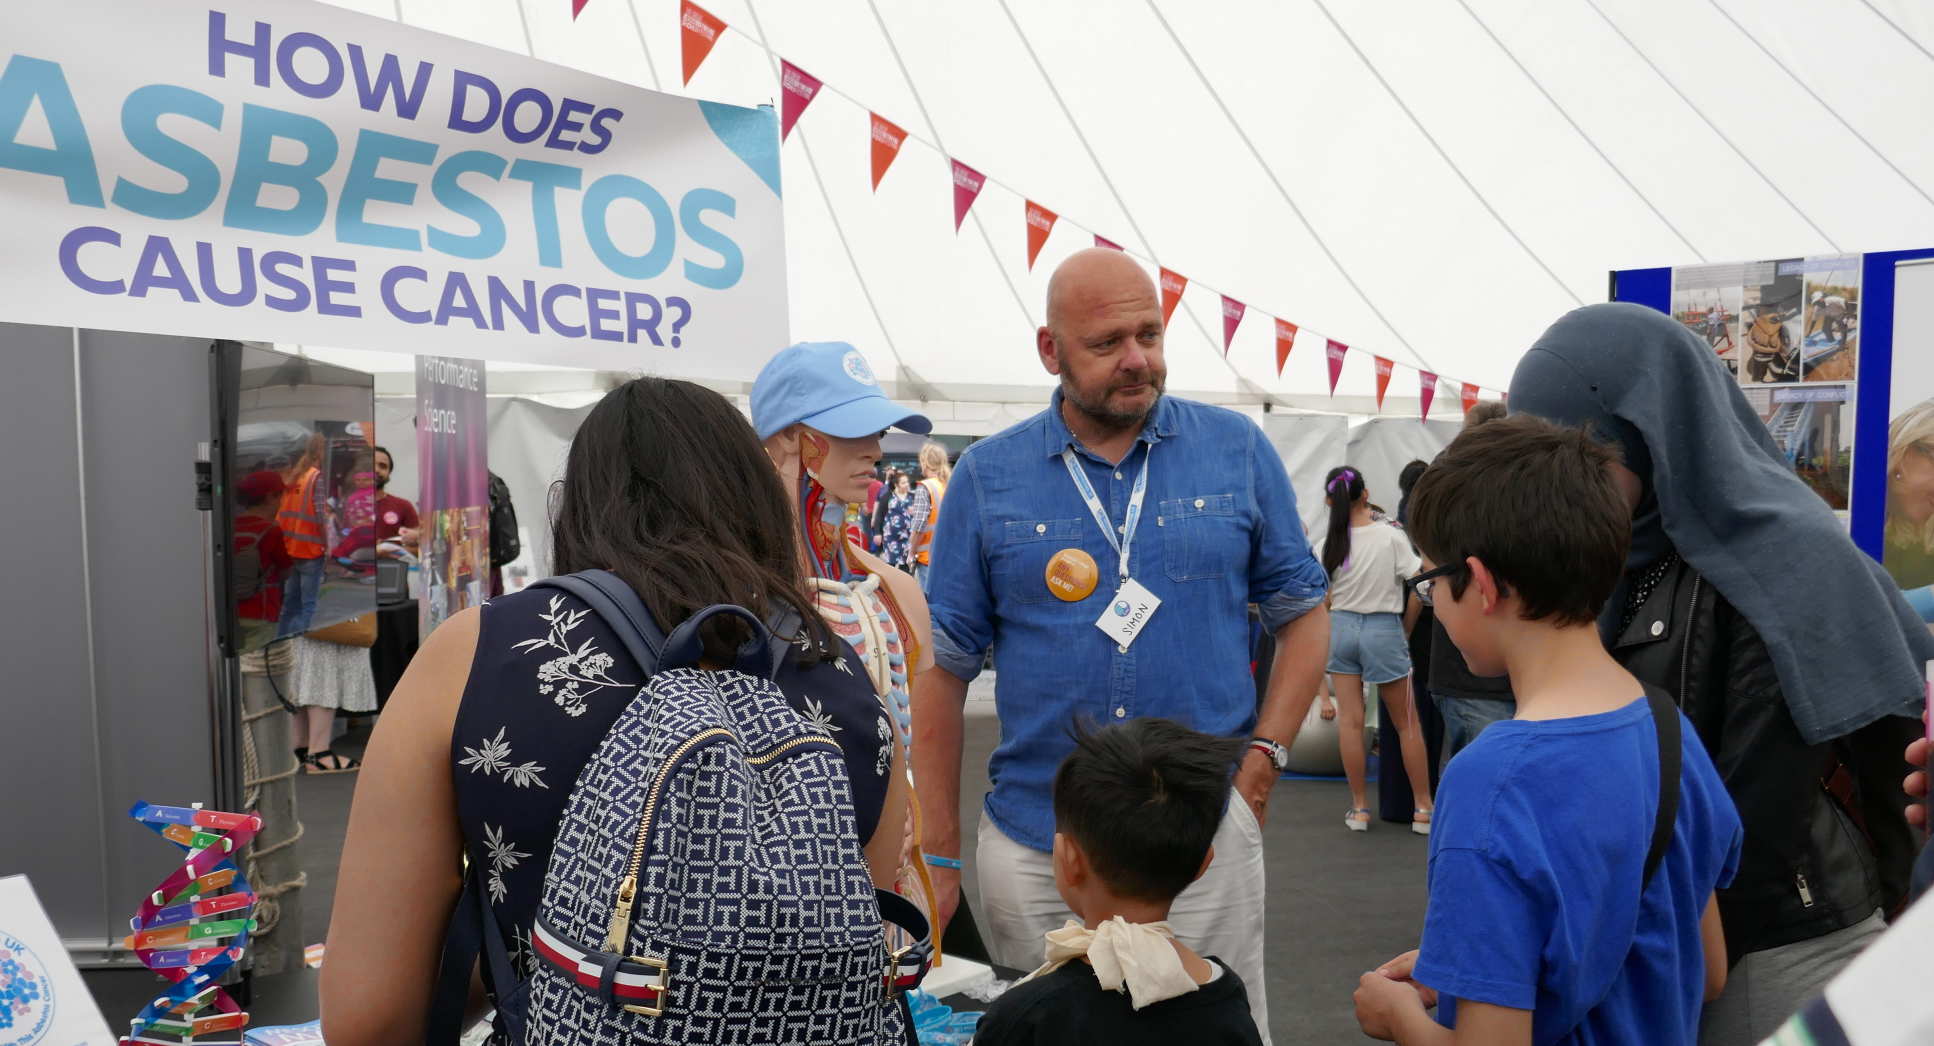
{"x":1420,"y":821}
{"x":328,"y":761}
{"x":1351,"y":821}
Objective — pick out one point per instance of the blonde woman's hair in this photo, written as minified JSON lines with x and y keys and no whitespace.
{"x":1910,"y":433}
{"x":933,"y":461}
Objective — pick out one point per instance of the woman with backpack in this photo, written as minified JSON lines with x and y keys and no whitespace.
{"x":1367,"y":560}
{"x":506,"y":705}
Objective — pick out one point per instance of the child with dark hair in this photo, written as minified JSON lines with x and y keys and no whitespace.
{"x":1573,"y":865}
{"x":1136,"y":807}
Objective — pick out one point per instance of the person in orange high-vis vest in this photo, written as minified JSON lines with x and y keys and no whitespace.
{"x":926,"y":505}
{"x":300,"y":518}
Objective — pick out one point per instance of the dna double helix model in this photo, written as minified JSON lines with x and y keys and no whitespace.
{"x":194,"y":927}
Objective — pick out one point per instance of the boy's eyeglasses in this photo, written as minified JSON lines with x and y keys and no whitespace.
{"x":1424,"y":582}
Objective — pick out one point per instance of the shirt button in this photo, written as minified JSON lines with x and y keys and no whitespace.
{"x":1199,"y":503}
{"x":1121,"y":528}
{"x":1118,"y":475}
{"x":1040,"y":528}
{"x":1658,"y":628}
{"x":1121,"y":713}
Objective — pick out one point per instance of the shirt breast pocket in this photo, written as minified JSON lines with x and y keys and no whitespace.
{"x":1021,"y":568}
{"x":1202,"y":537}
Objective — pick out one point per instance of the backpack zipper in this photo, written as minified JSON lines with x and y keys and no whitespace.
{"x":614,"y":940}
{"x":1806,"y":894}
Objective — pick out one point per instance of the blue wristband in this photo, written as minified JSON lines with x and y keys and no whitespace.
{"x":943,"y":862}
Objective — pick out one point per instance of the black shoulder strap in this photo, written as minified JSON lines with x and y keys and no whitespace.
{"x":614,"y":601}
{"x":1665,"y":722}
{"x":474,"y":934}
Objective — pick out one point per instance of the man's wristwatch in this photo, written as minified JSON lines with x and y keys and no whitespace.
{"x":1278,"y":755}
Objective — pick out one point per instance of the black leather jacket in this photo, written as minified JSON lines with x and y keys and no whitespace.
{"x":1812,"y":864}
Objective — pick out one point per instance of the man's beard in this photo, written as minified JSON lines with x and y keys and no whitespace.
{"x":382,"y":484}
{"x":1101,"y":414}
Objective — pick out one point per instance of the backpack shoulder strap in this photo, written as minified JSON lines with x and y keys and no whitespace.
{"x":1665,"y":721}
{"x":614,"y":601}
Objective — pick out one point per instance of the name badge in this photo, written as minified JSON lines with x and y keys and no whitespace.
{"x":1128,"y":613}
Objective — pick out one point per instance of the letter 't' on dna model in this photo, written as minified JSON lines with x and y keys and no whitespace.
{"x":194,"y":927}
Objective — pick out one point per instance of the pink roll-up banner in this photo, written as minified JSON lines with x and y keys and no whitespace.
{"x":453,"y":493}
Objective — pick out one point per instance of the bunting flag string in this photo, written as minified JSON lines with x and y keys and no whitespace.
{"x":1173,"y":284}
{"x":698,"y":29}
{"x":1040,"y":222}
{"x":1285,"y":341}
{"x":1232,"y":311}
{"x":699,"y":32}
{"x":797,"y":89}
{"x":887,"y":139}
{"x":967,"y":185}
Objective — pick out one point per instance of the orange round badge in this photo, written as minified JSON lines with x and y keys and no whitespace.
{"x":1072,"y":575}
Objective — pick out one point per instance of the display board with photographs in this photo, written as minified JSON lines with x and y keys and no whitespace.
{"x":1789,"y":331}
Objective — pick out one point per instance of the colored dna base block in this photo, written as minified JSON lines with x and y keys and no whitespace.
{"x":194,"y":927}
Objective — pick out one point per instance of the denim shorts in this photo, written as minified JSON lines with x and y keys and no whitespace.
{"x":1369,"y":645}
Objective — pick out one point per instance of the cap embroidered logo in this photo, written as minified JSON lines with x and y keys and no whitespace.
{"x":856,"y":368}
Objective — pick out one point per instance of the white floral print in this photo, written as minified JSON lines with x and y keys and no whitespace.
{"x":819,"y":717}
{"x":884,"y":731}
{"x":577,"y":673}
{"x":492,"y":757}
{"x":503,"y":857}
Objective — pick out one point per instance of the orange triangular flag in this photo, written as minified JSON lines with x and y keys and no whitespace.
{"x":1383,"y":377}
{"x":1285,"y":341}
{"x":1173,"y":284}
{"x":1470,"y":396}
{"x":1040,"y":222}
{"x":699,"y":29}
{"x":887,"y":139}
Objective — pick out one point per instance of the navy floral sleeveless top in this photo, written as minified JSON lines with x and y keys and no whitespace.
{"x":548,"y":681}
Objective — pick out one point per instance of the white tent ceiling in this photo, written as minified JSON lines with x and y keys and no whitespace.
{"x":1429,"y":180}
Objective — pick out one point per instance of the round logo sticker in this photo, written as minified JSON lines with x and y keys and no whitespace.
{"x":1071,"y":575}
{"x":856,"y":368}
{"x":390,"y":518}
{"x":26,"y":994}
{"x":1121,"y":608}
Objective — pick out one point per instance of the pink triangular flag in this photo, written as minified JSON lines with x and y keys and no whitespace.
{"x":1232,"y":311}
{"x":1335,"y":350}
{"x":1426,"y":391}
{"x":577,"y":8}
{"x":967,"y":185}
{"x":1103,"y":241}
{"x":797,"y":89}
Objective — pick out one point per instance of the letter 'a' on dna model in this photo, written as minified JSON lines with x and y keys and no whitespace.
{"x":193,"y":928}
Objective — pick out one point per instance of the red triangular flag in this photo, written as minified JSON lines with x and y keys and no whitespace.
{"x":577,"y":8}
{"x":1335,"y":350}
{"x":699,"y":30}
{"x":1285,"y":341}
{"x":1384,"y":368}
{"x":887,"y":139}
{"x":797,"y":89}
{"x":1040,"y":222}
{"x":1232,"y":311}
{"x":1103,"y":241}
{"x":1173,"y":284}
{"x":1470,"y":397}
{"x":1426,"y":391}
{"x":967,"y":186}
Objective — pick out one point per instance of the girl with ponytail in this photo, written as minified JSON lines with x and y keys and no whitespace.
{"x":1367,"y":561}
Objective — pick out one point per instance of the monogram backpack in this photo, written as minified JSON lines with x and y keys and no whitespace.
{"x":706,"y":884}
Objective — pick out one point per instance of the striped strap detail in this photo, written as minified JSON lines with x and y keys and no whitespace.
{"x":633,"y":982}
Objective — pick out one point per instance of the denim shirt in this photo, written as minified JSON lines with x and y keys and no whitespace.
{"x":1218,"y":531}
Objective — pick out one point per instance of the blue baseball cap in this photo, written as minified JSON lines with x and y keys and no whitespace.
{"x":826,"y":385}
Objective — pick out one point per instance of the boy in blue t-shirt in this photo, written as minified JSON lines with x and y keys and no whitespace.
{"x":1542,"y":927}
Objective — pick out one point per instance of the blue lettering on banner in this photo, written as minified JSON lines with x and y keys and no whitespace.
{"x":290,"y":175}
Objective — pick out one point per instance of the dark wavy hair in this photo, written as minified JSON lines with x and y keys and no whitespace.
{"x":1342,"y":486}
{"x":667,"y":486}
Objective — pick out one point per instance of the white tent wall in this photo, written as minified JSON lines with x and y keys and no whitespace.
{"x":1427,"y":181}
{"x":1311,"y":445}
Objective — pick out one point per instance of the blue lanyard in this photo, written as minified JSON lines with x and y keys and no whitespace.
{"x":1122,"y":544}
